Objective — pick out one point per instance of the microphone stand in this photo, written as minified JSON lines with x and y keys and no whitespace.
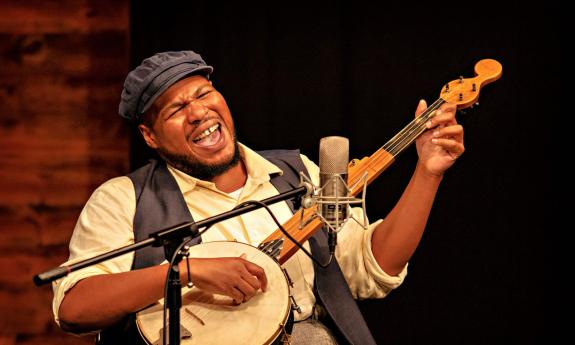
{"x":165,"y":237}
{"x":174,"y":298}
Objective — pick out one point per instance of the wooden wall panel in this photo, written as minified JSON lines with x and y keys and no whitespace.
{"x":62,"y":65}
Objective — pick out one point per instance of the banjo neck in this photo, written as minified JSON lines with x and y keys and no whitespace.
{"x":463,"y":92}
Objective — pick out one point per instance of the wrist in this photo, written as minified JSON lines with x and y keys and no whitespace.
{"x":426,"y":174}
{"x":184,"y":274}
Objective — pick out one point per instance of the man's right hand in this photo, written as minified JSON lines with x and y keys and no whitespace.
{"x":234,"y":277}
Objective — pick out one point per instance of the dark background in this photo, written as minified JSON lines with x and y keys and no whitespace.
{"x":292,"y":75}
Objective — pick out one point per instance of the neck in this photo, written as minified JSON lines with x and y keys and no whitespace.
{"x":233,"y":179}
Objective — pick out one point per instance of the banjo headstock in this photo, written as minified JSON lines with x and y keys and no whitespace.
{"x":464,"y":92}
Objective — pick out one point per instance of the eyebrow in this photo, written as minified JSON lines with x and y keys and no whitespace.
{"x":178,"y":103}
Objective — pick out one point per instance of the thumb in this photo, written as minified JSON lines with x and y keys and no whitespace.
{"x":421,"y":106}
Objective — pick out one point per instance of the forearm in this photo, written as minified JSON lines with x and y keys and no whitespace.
{"x":103,"y":300}
{"x":397,"y":237}
{"x":100,"y":301}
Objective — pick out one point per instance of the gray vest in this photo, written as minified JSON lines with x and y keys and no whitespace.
{"x":160,"y":204}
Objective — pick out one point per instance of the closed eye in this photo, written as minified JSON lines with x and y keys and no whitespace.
{"x":204,"y":94}
{"x":178,"y":107}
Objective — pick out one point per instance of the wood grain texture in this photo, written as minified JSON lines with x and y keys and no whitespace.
{"x":62,"y":66}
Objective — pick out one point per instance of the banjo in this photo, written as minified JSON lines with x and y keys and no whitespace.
{"x":211,"y":319}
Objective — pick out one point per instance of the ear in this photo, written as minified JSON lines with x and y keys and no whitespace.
{"x":148,"y":135}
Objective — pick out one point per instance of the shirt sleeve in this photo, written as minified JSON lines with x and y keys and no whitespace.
{"x":363,"y":274}
{"x":104,"y":224}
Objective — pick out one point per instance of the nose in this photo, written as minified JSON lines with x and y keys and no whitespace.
{"x":196,"y":111}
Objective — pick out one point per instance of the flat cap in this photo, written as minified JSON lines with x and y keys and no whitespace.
{"x":154,"y":76}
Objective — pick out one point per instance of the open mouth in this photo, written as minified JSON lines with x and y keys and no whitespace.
{"x":209,"y":137}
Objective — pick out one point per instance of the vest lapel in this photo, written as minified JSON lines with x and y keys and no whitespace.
{"x":159,"y":205}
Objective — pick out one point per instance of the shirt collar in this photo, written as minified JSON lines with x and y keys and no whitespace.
{"x":258,"y":168}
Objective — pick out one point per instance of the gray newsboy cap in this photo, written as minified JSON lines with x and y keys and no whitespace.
{"x":154,"y":76}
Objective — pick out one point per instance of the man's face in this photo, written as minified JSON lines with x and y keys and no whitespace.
{"x":193,"y":130}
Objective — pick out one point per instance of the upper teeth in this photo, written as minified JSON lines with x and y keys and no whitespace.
{"x":207,"y":132}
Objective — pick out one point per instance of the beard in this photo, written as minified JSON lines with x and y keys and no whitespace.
{"x":193,"y":167}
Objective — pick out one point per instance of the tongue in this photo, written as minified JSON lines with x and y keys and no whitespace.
{"x":210,"y":139}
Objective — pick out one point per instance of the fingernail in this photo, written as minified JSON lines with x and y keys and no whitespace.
{"x":436,"y":133}
{"x":438,"y":112}
{"x":428,"y":124}
{"x":434,"y":141}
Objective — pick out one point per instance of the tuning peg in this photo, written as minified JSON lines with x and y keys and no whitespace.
{"x":477,"y":103}
{"x":460,"y":79}
{"x":463,"y":111}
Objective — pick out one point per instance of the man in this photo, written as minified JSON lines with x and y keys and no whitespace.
{"x":186,"y":120}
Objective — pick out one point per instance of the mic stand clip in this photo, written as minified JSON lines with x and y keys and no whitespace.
{"x":315,"y":198}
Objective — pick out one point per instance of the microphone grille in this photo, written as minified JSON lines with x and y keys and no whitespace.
{"x":333,"y":155}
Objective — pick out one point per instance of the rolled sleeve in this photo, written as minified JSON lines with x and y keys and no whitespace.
{"x":385,"y":280}
{"x":104,"y":224}
{"x":363,"y":274}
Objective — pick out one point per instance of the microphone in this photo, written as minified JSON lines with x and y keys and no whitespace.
{"x":333,"y":162}
{"x":333,"y":196}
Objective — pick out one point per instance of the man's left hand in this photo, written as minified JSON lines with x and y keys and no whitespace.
{"x":442,"y":143}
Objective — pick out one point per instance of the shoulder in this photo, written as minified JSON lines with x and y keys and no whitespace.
{"x":117,"y":183}
{"x":118,"y":188}
{"x":293,"y":156}
{"x":278,"y":154}
{"x":312,"y":169}
{"x":308,"y":162}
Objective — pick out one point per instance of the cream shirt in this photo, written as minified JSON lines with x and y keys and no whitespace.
{"x":106,"y":224}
